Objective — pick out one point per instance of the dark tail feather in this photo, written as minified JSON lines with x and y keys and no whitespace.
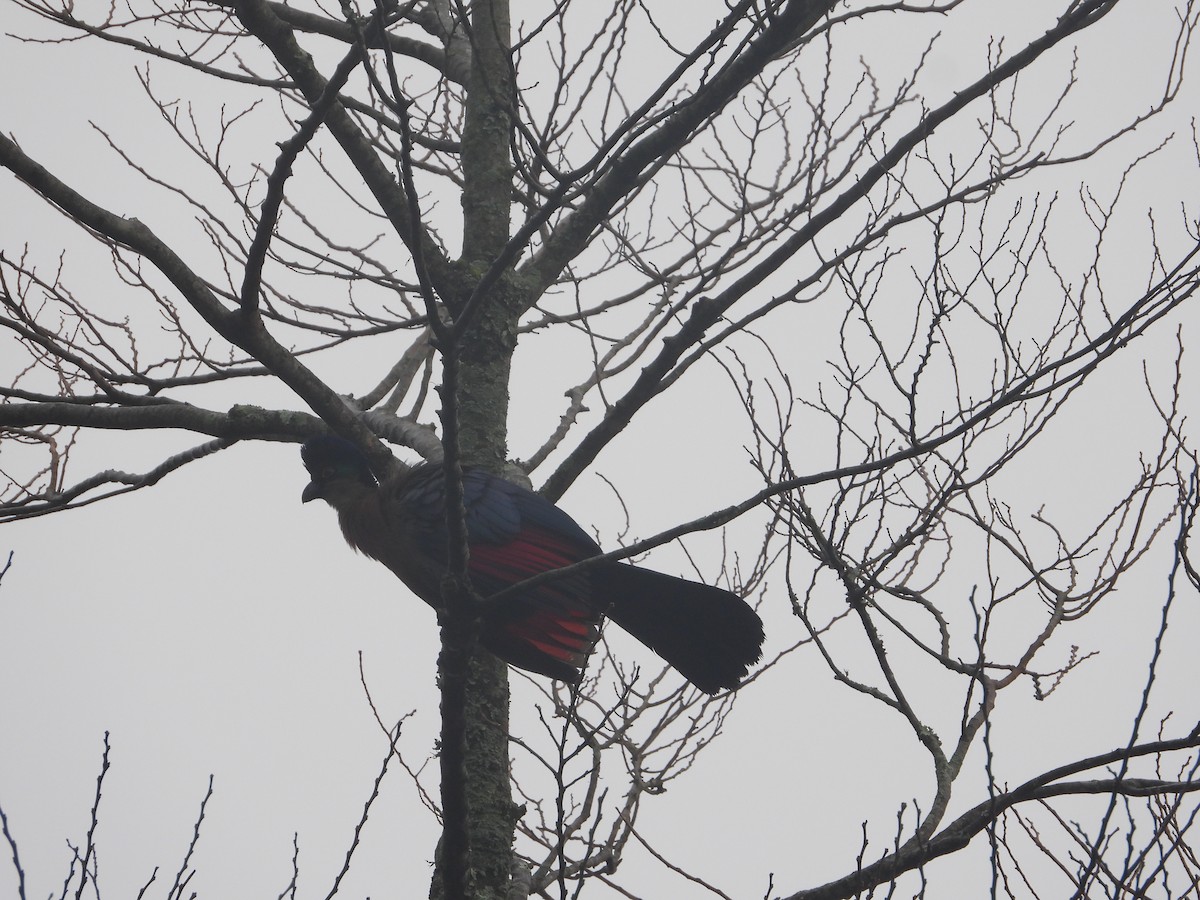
{"x":709,"y":635}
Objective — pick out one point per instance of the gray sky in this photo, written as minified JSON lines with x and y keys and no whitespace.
{"x":213,"y":625}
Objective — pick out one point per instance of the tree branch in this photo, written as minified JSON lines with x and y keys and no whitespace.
{"x":706,"y":311}
{"x":956,"y":835}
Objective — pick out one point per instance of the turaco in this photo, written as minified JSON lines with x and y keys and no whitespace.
{"x":709,"y":635}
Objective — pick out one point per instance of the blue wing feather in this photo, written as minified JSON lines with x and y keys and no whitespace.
{"x":498,"y":511}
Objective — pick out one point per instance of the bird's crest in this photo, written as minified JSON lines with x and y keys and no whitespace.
{"x":329,"y":457}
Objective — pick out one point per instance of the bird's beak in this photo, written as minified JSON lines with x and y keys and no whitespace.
{"x":312,"y":491}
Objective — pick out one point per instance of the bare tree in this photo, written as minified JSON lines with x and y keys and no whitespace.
{"x":891,"y":269}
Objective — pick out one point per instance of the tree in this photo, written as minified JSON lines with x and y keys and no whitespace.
{"x":871,"y":253}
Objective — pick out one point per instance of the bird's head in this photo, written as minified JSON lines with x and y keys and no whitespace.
{"x":338,"y":470}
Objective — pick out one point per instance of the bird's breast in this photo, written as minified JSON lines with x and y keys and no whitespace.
{"x":373,"y":534}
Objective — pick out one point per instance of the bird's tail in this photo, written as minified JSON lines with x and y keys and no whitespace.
{"x":709,"y":635}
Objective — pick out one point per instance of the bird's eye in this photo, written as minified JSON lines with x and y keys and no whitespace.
{"x":327,"y":473}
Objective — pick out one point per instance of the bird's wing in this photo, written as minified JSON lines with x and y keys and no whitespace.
{"x":514,"y":534}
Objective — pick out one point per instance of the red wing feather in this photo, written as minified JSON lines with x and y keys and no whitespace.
{"x":554,"y":621}
{"x":532,"y":552}
{"x":567,"y":638}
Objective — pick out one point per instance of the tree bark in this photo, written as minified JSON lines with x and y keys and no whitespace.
{"x":486,"y":338}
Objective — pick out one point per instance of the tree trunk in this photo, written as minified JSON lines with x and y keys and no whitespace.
{"x":485,"y":359}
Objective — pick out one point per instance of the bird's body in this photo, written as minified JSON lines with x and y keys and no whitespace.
{"x":710,"y":635}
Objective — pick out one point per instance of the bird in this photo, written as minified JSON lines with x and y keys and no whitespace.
{"x":709,"y":635}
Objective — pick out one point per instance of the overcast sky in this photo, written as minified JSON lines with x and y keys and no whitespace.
{"x":213,"y":626}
